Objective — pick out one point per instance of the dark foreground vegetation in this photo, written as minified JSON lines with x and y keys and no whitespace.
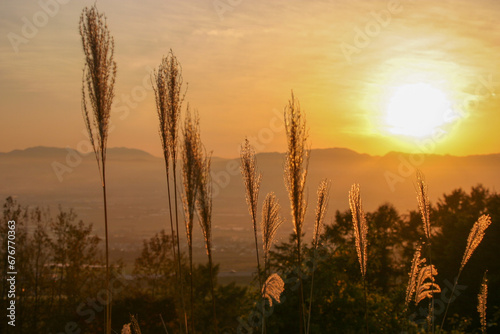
{"x":61,"y":276}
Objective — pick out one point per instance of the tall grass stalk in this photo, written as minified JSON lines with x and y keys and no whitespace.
{"x":204,"y":207}
{"x":416,"y":264}
{"x":191,"y":158}
{"x":251,"y":179}
{"x":424,"y":208}
{"x":98,"y":90}
{"x":296,"y":163}
{"x":321,"y":207}
{"x":167,"y":85}
{"x":360,"y":233}
{"x":271,"y":221}
{"x":482,"y":298}
{"x":476,"y":235}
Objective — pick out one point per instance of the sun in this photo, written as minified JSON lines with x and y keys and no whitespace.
{"x":416,"y":110}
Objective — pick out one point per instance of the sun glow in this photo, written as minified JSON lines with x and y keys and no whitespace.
{"x":417,"y":110}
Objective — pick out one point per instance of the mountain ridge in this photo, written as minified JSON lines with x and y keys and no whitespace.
{"x":40,"y":151}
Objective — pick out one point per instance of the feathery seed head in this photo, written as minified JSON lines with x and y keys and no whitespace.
{"x":192,"y":155}
{"x":251,"y":178}
{"x":482,"y":299}
{"x":322,"y":206}
{"x":204,"y":200}
{"x":360,"y":226}
{"x":272,"y":289}
{"x":98,"y":78}
{"x":271,"y":220}
{"x":423,"y":203}
{"x":167,"y":85}
{"x":475,"y":237}
{"x":416,"y":264}
{"x":426,"y":289}
{"x":296,"y":161}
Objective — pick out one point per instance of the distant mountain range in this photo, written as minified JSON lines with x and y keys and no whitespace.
{"x":137,"y":199}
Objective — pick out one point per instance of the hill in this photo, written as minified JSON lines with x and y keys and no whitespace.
{"x":138,"y":201}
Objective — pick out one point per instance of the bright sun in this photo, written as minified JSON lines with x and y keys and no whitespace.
{"x":416,"y":110}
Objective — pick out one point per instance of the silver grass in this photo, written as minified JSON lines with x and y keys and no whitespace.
{"x":296,"y":161}
{"x":416,"y":264}
{"x":476,"y":235}
{"x":192,"y":155}
{"x":482,"y":300}
{"x":271,"y":220}
{"x":423,"y":204}
{"x":97,"y":93}
{"x":360,"y":226}
{"x":273,"y":288}
{"x":251,"y":178}
{"x":426,"y":289}
{"x":321,"y":207}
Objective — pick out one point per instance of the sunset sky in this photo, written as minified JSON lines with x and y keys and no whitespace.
{"x":345,"y":60}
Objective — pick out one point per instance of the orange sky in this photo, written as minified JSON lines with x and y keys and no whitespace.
{"x":242,"y":59}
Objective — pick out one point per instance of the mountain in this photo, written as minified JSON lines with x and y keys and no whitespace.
{"x":137,"y":194}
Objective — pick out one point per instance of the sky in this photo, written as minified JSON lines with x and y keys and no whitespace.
{"x":344,"y":60}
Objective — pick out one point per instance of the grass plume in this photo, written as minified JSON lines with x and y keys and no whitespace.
{"x":425,"y":289}
{"x":423,"y":203}
{"x":167,"y":85}
{"x":99,"y":76}
{"x":272,"y":289}
{"x":192,"y":154}
{"x":424,"y":208}
{"x":416,"y":264}
{"x":475,"y":237}
{"x":360,"y":226}
{"x":321,"y":207}
{"x":271,"y":221}
{"x":360,"y":232}
{"x":296,"y":163}
{"x":482,"y":298}
{"x":204,"y":207}
{"x":251,"y":179}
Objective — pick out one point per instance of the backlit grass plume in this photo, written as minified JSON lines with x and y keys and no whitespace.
{"x":271,"y":220}
{"x":167,"y":85}
{"x":424,"y":208}
{"x":296,"y":163}
{"x":423,"y":204}
{"x":424,"y":288}
{"x":481,"y":302}
{"x":97,"y":94}
{"x":476,"y":235}
{"x":273,"y":288}
{"x":204,"y":207}
{"x":360,"y":226}
{"x":321,"y":207}
{"x":416,"y":264}
{"x":192,"y":155}
{"x":360,"y":232}
{"x":251,"y":179}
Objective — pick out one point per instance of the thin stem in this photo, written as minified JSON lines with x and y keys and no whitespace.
{"x":191,"y":285}
{"x":301,"y":287}
{"x":173,"y":233}
{"x":216,"y":327}
{"x":450,"y":299}
{"x":108,"y":290}
{"x":181,"y":281}
{"x":366,"y":303}
{"x":308,"y":327}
